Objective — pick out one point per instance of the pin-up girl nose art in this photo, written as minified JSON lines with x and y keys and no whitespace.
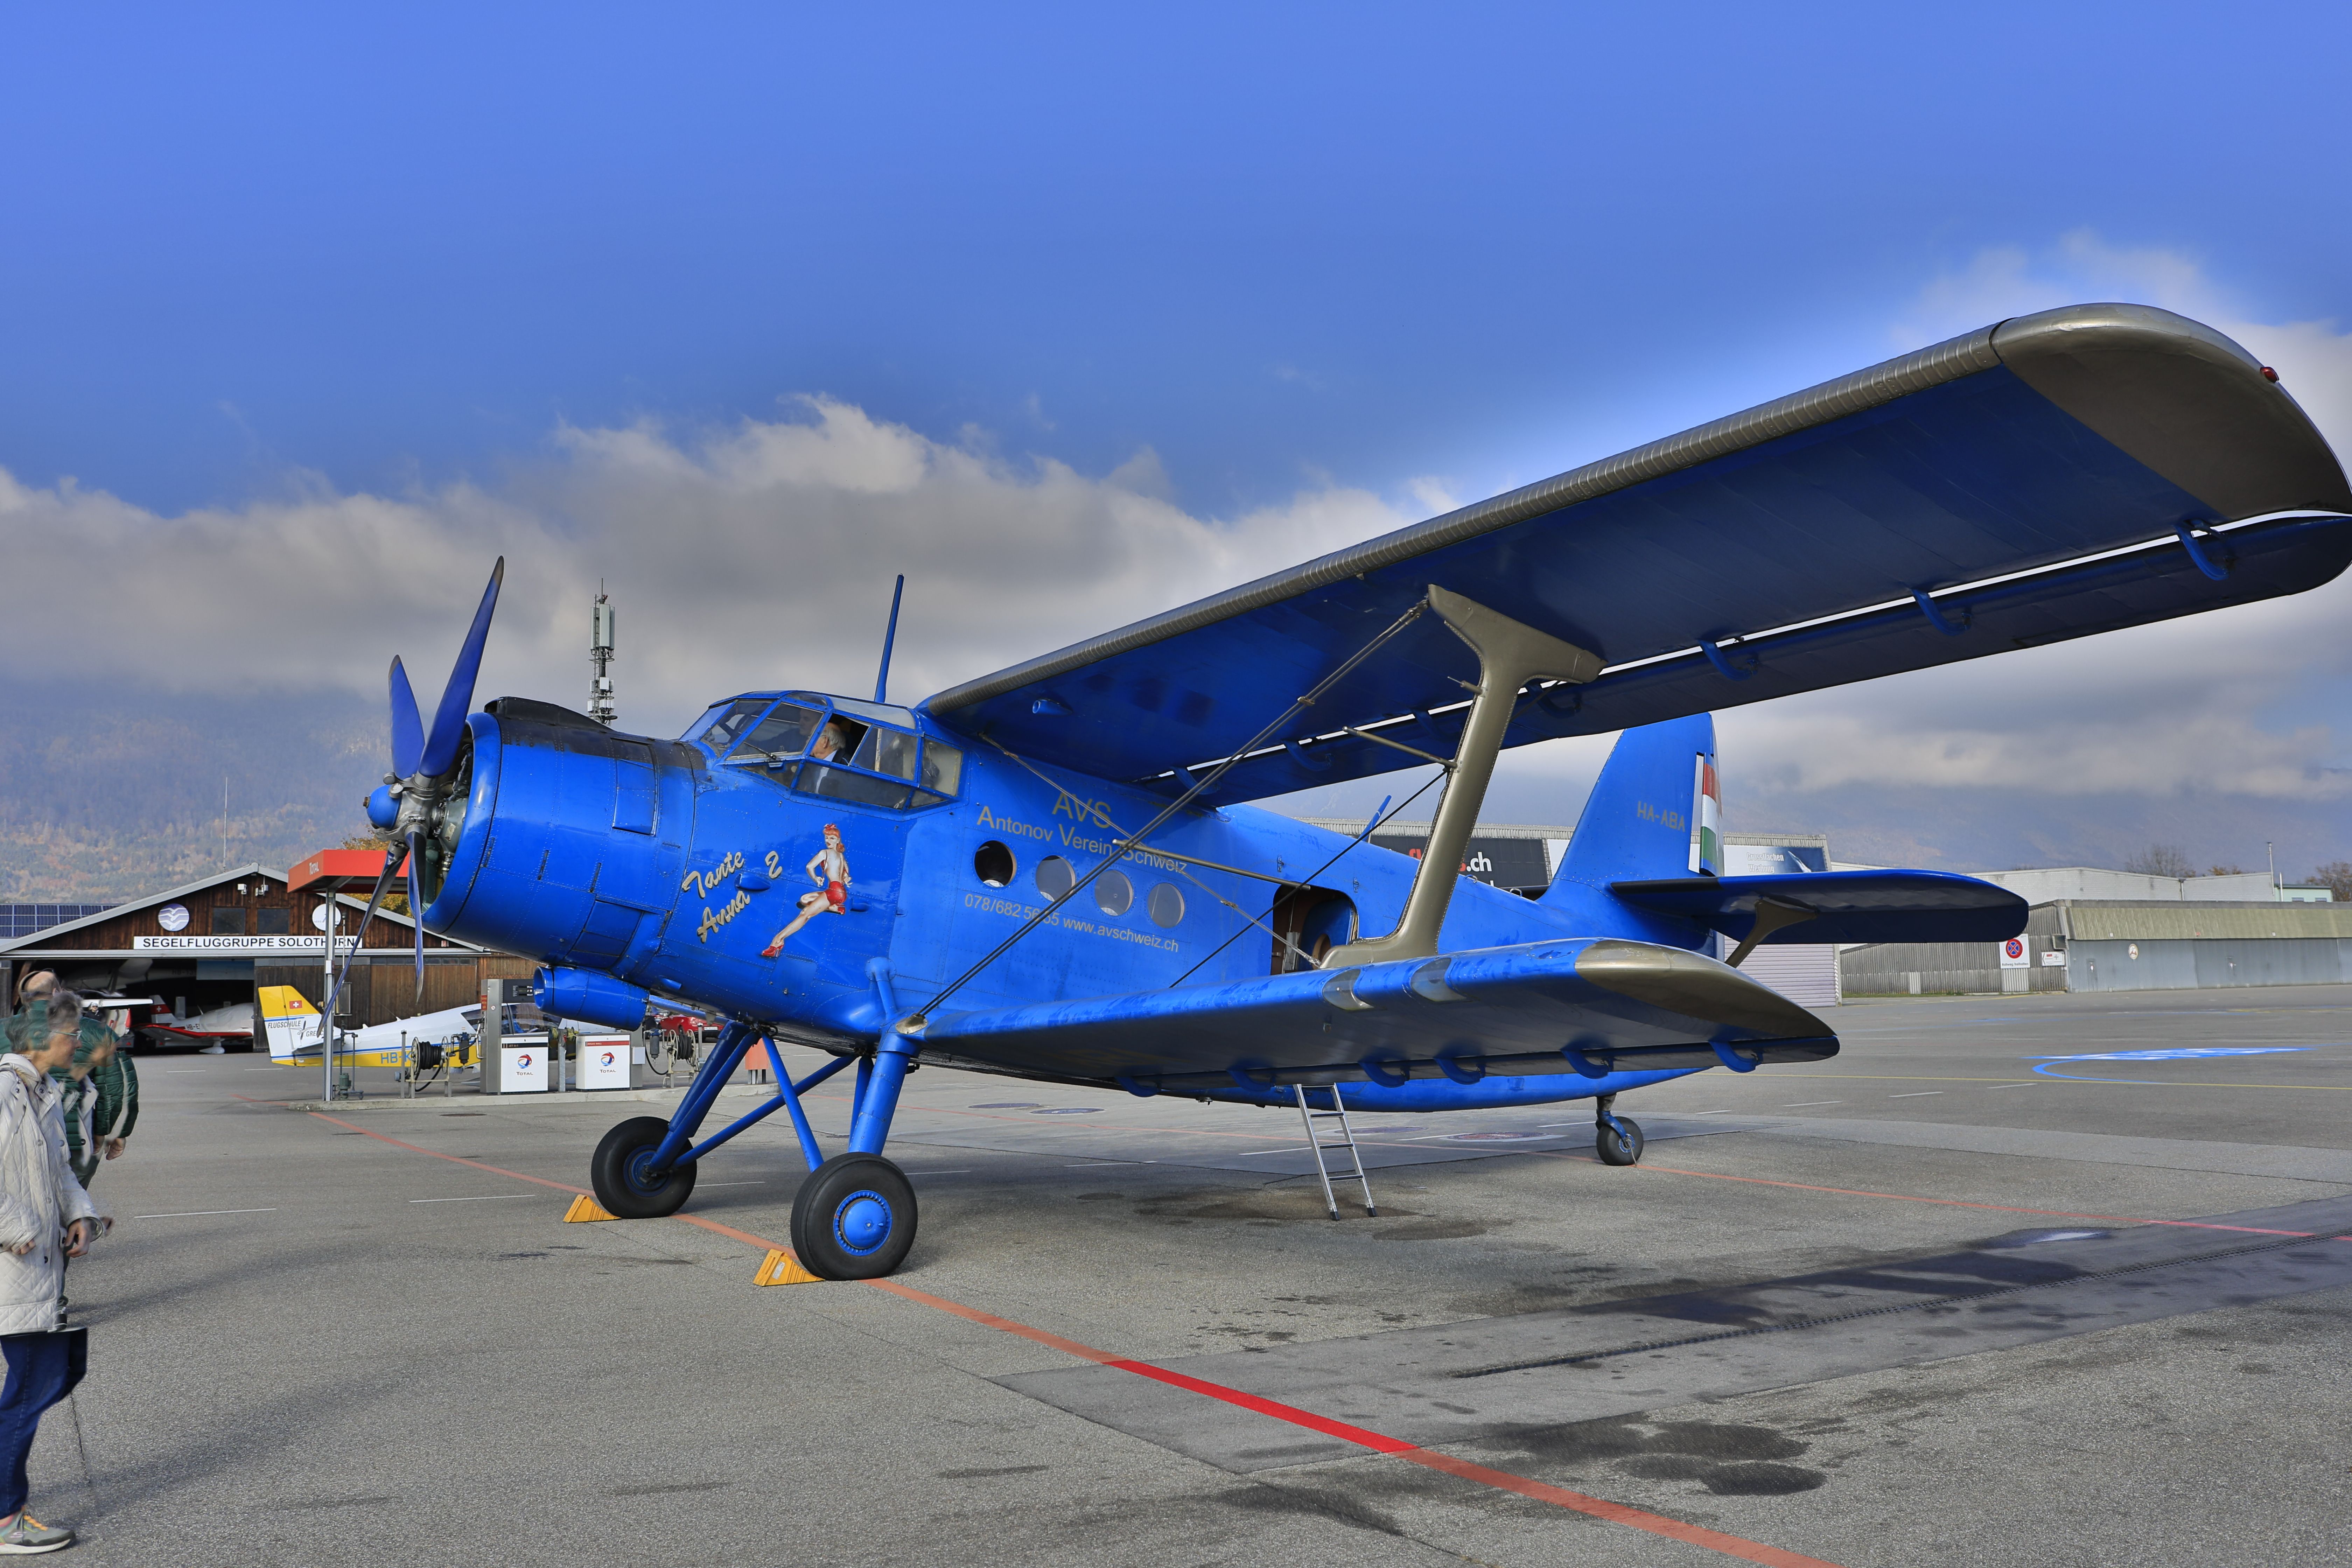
{"x":829,"y":869}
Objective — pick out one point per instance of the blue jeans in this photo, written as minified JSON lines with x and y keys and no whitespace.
{"x":42,"y":1370}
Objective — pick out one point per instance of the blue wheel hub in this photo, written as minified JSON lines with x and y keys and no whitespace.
{"x":861,"y":1223}
{"x":641,"y":1172}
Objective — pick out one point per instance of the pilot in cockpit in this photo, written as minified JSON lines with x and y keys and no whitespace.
{"x":829,"y":742}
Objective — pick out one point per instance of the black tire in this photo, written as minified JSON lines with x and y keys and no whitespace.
{"x":616,"y":1171}
{"x":854,"y":1218}
{"x":1616,"y":1149}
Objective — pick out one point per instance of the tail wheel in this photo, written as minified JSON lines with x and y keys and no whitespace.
{"x":624,"y":1188}
{"x":1618,"y":1140}
{"x":854,"y":1218}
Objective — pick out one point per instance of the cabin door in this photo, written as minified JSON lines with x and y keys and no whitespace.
{"x":1308,"y":922}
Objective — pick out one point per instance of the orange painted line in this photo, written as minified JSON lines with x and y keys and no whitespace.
{"x":453,"y":1159}
{"x":1394,"y":1447}
{"x":729,"y":1232}
{"x":989,"y":1319}
{"x":1614,"y":1512}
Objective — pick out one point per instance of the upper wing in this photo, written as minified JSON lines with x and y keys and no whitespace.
{"x":2020,"y":485}
{"x":1844,"y":906}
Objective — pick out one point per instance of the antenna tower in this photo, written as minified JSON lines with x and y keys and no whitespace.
{"x":600,"y":660}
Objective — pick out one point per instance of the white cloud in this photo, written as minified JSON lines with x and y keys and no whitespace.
{"x":756,"y":555}
{"x":2314,"y":358}
{"x":761,"y":553}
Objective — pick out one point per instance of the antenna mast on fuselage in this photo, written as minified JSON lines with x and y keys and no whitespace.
{"x":600,"y":660}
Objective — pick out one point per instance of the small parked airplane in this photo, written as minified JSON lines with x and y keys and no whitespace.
{"x":1052,"y":872}
{"x":291,"y":1025}
{"x":215,"y":1031}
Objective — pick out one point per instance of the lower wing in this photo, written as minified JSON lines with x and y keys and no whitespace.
{"x":1588,"y":1005}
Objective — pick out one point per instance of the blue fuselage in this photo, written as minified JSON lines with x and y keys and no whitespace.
{"x":674,"y":866}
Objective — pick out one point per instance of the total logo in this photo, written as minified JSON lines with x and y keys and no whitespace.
{"x":605,"y":1058}
{"x":522,"y":1062}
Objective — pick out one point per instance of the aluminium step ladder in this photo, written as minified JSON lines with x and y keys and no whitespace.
{"x":1339,"y":1114}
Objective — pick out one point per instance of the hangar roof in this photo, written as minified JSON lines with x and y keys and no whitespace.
{"x":117,"y":930}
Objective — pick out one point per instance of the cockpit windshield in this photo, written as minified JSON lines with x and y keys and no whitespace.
{"x":785,"y":733}
{"x":869,"y":752}
{"x":719,"y":728}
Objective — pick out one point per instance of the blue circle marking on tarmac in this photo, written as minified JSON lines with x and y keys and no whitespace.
{"x":2163,"y":1054}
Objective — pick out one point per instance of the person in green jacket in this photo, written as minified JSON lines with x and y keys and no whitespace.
{"x":99,"y":1092}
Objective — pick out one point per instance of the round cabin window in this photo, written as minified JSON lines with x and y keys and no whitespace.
{"x":993,"y":863}
{"x":1054,"y":876}
{"x":1114,"y":892}
{"x":1166,"y":905}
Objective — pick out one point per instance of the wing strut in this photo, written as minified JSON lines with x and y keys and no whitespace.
{"x":1510,"y":656}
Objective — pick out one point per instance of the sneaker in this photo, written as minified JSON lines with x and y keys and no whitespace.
{"x":24,"y":1536}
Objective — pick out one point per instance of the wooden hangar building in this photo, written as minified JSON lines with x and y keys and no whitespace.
{"x":208,"y":944}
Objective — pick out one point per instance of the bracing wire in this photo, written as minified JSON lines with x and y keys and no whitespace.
{"x":1307,"y":880}
{"x":1199,"y":788}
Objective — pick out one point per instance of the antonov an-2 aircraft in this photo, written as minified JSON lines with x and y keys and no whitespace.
{"x":1052,"y":871}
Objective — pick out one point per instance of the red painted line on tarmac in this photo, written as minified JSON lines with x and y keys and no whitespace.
{"x":1380,"y":1443}
{"x":1361,"y":1436}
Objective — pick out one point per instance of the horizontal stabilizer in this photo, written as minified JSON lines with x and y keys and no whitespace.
{"x":1838,"y":906}
{"x":1585,"y":1006}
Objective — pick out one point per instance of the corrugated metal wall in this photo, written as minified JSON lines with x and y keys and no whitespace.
{"x":2139,"y":946}
{"x":2159,"y":966}
{"x":1921,"y":968}
{"x":1805,"y":974}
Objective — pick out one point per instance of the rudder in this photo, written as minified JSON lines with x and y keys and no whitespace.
{"x":290,"y":1023}
{"x":1655,"y":812}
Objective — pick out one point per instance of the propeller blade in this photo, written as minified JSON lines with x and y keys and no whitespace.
{"x":457,"y":697}
{"x":383,"y":886}
{"x":416,"y":912}
{"x":408,"y":729}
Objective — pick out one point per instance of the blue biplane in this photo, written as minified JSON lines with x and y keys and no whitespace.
{"x":1050,"y":871}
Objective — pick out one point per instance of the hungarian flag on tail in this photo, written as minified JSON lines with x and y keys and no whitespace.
{"x":1706,"y":821}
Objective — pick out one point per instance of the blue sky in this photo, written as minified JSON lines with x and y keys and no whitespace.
{"x":1266,"y":242}
{"x":1228,"y":285}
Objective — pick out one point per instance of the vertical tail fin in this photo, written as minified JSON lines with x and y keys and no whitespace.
{"x":290,"y":1021}
{"x":1656,"y":811}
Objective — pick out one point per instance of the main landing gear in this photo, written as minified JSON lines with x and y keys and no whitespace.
{"x":855,"y":1216}
{"x":1616,"y":1139}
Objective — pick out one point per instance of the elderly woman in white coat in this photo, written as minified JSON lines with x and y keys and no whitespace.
{"x":45,"y":1218}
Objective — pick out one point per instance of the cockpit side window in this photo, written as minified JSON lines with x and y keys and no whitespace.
{"x":785,"y":733}
{"x":943,"y":768}
{"x":888,"y":751}
{"x":838,"y":741}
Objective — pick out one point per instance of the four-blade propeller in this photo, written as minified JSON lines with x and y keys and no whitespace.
{"x":407,"y":806}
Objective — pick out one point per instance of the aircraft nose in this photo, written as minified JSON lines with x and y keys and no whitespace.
{"x":571,"y":840}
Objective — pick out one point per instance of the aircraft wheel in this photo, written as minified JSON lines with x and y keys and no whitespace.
{"x":617,"y":1172}
{"x":854,"y":1218}
{"x":1618,"y":1144}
